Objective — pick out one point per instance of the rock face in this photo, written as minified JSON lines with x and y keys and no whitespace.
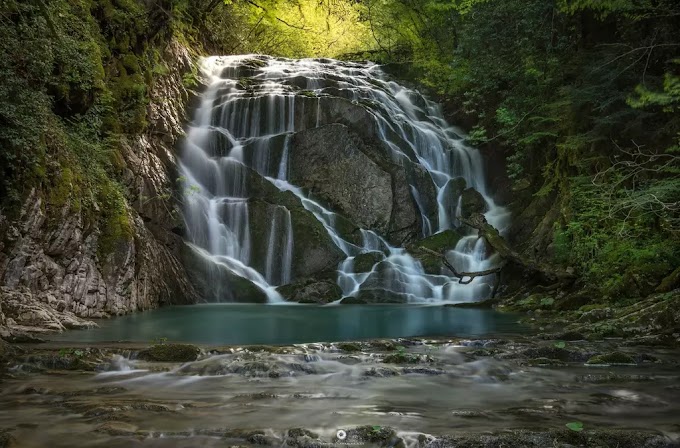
{"x":50,"y":265}
{"x":313,"y":249}
{"x":471,"y":201}
{"x":346,"y":167}
{"x":440,"y":243}
{"x":316,"y":290}
{"x":331,"y":162}
{"x":24,"y":312}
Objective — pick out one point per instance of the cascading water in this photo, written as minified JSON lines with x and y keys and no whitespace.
{"x":252,"y":107}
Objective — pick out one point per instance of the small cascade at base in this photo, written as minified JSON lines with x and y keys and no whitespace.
{"x":242,"y":203}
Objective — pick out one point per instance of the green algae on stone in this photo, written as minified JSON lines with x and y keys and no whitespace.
{"x":614,"y":358}
{"x":544,"y":362}
{"x":365,"y":262}
{"x":349,"y":346}
{"x":301,"y":432}
{"x":385,"y":346}
{"x":170,"y":353}
{"x":439,"y":242}
{"x":382,"y":436}
{"x":402,"y":357}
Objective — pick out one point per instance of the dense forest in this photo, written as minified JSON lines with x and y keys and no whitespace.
{"x":579,"y":99}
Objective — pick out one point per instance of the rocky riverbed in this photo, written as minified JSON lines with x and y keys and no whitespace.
{"x":495,"y":392}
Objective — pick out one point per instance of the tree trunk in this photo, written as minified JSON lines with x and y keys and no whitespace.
{"x":542,"y":272}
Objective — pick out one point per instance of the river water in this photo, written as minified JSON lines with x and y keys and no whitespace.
{"x":292,"y":324}
{"x":424,"y":389}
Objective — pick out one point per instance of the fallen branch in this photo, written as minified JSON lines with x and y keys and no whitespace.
{"x":495,"y":240}
{"x":461,"y":275}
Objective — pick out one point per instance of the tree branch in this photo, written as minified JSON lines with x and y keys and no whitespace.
{"x":462,"y":275}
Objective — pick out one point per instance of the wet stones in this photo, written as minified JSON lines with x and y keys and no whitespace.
{"x":349,"y":347}
{"x":402,"y":357}
{"x":374,"y":435}
{"x":249,"y":365}
{"x":613,"y":358}
{"x":66,"y":359}
{"x":439,"y":242}
{"x":216,"y":281}
{"x":471,"y":202}
{"x":381,"y":372}
{"x":553,"y":353}
{"x":365,"y":262}
{"x":312,"y":291}
{"x":170,"y":353}
{"x":116,"y":428}
{"x":7,"y":440}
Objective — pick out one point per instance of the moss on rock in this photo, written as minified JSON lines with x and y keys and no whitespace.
{"x":542,"y":362}
{"x":376,"y":435}
{"x":170,"y":353}
{"x":321,"y":290}
{"x":349,"y":346}
{"x":365,"y":262}
{"x":614,"y":358}
{"x":439,"y":242}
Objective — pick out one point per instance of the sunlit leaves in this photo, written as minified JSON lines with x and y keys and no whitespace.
{"x":303,"y":28}
{"x":668,"y":98}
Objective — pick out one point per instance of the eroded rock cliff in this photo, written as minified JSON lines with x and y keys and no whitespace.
{"x":53,"y":271}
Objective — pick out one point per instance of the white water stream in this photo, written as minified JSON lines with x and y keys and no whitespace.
{"x":241,"y":125}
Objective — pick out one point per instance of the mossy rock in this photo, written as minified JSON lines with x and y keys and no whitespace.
{"x":573,"y":301}
{"x":349,"y":347}
{"x":545,"y":362}
{"x":377,"y":435}
{"x":440,"y":243}
{"x":401,"y":358}
{"x":365,"y":262}
{"x":670,"y":282}
{"x":321,"y":290}
{"x":552,"y":352}
{"x":571,"y":336}
{"x":301,"y":432}
{"x":88,"y":360}
{"x":353,"y":301}
{"x":614,"y":358}
{"x":591,"y":307}
{"x":471,"y":202}
{"x":254,"y":63}
{"x":376,"y":295}
{"x":266,"y":349}
{"x":385,"y":346}
{"x":217,"y":282}
{"x":482,"y":304}
{"x":170,"y":353}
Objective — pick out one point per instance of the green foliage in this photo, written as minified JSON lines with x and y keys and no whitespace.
{"x":668,"y":98}
{"x":76,"y":76}
{"x":297,"y":28}
{"x":575,"y":426}
{"x":582,"y":98}
{"x":71,"y":352}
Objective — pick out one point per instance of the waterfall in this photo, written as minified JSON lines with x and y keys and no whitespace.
{"x":243,"y":127}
